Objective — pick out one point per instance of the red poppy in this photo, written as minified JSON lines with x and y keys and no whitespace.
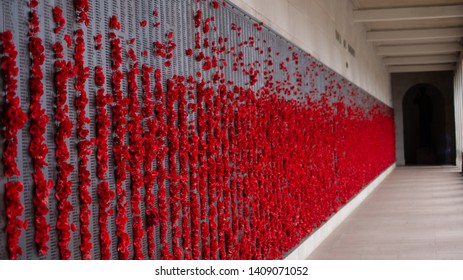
{"x":119,"y":148}
{"x":14,"y":225}
{"x":114,"y":23}
{"x":63,"y":132}
{"x":68,"y":40}
{"x":206,"y":26}
{"x":81,"y":8}
{"x":136,"y":154}
{"x":197,"y":18}
{"x":14,"y":118}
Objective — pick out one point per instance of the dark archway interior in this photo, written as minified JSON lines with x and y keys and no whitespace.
{"x":425,"y":137}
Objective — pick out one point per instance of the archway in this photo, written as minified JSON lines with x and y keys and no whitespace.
{"x":426,"y":140}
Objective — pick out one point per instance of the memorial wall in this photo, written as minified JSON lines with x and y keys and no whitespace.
{"x":173,"y":129}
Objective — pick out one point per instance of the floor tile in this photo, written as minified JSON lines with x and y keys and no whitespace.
{"x":416,"y":213}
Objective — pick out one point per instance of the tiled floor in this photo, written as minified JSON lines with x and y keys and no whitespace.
{"x":416,"y":213}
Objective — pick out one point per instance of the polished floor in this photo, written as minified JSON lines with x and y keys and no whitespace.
{"x":416,"y":213}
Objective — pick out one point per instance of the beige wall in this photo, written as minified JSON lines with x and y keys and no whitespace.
{"x":311,"y":25}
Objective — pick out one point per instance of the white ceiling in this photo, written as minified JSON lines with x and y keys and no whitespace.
{"x":413,"y":35}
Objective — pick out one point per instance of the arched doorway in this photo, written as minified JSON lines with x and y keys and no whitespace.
{"x":426,"y":140}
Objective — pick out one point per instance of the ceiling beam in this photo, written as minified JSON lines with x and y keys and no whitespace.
{"x":415,"y":13}
{"x":420,"y":49}
{"x":427,"y":59}
{"x":421,"y":68}
{"x":408,"y":34}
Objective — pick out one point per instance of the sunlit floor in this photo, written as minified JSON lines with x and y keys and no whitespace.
{"x":416,"y":213}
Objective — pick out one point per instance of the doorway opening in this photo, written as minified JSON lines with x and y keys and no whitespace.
{"x":426,"y":140}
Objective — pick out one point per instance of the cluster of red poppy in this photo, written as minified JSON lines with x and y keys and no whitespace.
{"x":193,"y":142}
{"x":224,"y":174}
{"x":103,"y":130}
{"x":222,"y":171}
{"x":114,"y":23}
{"x":183,"y":161}
{"x":120,"y":149}
{"x":38,"y":149}
{"x":14,"y":225}
{"x":232,"y":233}
{"x":63,"y":185}
{"x":202,"y":169}
{"x":237,"y":175}
{"x":258,"y":26}
{"x":68,"y":40}
{"x":81,"y":7}
{"x":215,"y":4}
{"x":212,"y":131}
{"x":149,"y":138}
{"x":105,"y":194}
{"x":173,"y":148}
{"x":137,"y":154}
{"x":84,"y":145}
{"x":59,"y":19}
{"x":98,"y":41}
{"x":163,"y":202}
{"x":197,"y":18}
{"x":13,"y":120}
{"x":197,"y":40}
{"x":165,"y":50}
{"x":13,"y":117}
